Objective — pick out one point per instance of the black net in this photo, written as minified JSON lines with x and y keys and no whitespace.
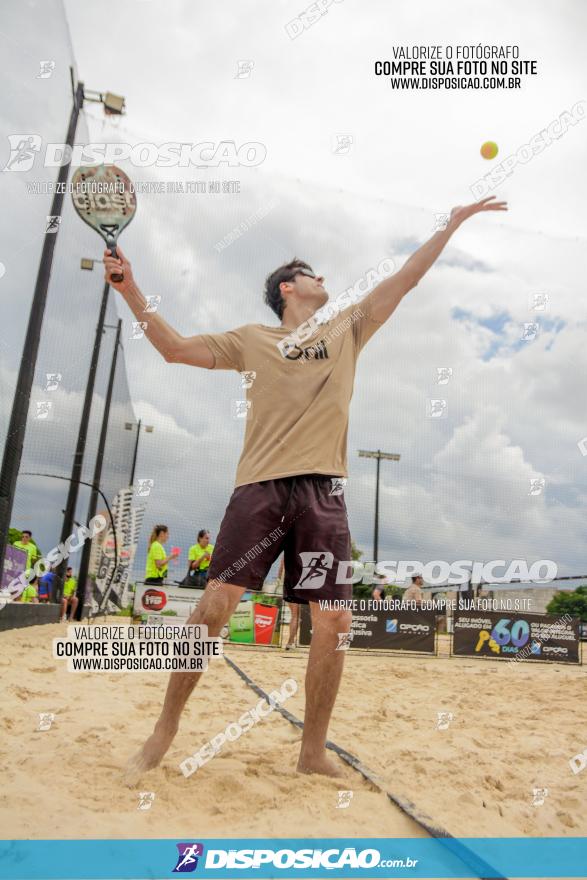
{"x":37,"y":103}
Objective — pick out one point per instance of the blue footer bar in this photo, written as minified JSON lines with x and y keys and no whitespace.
{"x":536,"y":857}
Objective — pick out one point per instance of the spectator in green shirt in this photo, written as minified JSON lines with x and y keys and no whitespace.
{"x":27,"y":544}
{"x":157,"y":558}
{"x":29,"y":594}
{"x":69,"y":595}
{"x":199,"y":557}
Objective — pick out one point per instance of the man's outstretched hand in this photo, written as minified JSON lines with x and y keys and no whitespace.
{"x":385,"y":298}
{"x":463,"y":212}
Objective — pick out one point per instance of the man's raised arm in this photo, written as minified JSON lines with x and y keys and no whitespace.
{"x":386,"y":297}
{"x":174,"y":347}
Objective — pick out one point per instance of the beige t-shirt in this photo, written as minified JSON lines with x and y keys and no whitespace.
{"x":297,"y":406}
{"x":413,"y":594}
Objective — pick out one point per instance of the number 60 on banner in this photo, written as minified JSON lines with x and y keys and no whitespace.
{"x":518,"y":635}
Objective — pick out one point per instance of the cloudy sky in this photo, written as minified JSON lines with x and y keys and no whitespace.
{"x":515,"y":408}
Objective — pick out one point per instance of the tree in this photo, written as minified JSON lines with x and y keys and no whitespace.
{"x":574,"y":603}
{"x":267,"y":598}
{"x":14,"y":535}
{"x":363,"y":591}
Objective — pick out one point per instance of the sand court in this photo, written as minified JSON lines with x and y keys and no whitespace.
{"x":513,"y":729}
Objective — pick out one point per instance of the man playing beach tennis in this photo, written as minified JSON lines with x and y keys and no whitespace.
{"x":287,"y":496}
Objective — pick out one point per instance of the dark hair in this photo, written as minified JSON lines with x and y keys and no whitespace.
{"x":273,"y":297}
{"x":415,"y":577}
{"x":156,"y":532}
{"x":69,"y":568}
{"x":203,"y":532}
{"x":26,"y":532}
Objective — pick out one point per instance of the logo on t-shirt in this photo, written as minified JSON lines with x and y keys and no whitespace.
{"x":317,"y":352}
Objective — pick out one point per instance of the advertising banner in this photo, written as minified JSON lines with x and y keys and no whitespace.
{"x":242,"y":624}
{"x":384,"y":630}
{"x":264,"y":622}
{"x":538,"y":637}
{"x":14,"y":565}
{"x":112,"y":574}
{"x":253,"y":623}
{"x":167,"y":600}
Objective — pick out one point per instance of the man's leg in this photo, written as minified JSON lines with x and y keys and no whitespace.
{"x":215,"y":608}
{"x":63,"y":615}
{"x":73,"y":609}
{"x":322,"y":682}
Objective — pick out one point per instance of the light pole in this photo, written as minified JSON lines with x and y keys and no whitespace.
{"x":377,"y":454}
{"x":82,"y":435}
{"x":15,"y":435}
{"x":85,"y":560}
{"x":149,"y":430}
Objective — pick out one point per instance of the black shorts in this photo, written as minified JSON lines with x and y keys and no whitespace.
{"x":305,"y":517}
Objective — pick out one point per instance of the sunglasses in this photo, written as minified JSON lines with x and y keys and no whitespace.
{"x":307,"y":272}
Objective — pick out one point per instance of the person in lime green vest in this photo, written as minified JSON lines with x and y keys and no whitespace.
{"x":29,"y":594}
{"x":69,"y":595}
{"x":157,"y":558}
{"x":27,"y":544}
{"x":199,"y":556}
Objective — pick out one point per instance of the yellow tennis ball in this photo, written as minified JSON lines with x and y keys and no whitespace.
{"x":489,"y":150}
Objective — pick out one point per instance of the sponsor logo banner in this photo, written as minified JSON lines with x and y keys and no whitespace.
{"x":252,"y":623}
{"x":173,"y":601}
{"x":384,"y":630}
{"x":519,"y":637}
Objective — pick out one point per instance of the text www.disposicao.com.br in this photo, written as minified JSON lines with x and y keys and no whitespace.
{"x":136,"y":664}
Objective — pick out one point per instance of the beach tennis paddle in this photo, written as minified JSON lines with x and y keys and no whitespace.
{"x":104,"y":198}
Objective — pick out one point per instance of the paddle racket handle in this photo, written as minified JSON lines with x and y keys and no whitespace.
{"x":119,"y":276}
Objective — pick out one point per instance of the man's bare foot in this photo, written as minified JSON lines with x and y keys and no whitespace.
{"x":318,"y":764}
{"x":149,"y":756}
